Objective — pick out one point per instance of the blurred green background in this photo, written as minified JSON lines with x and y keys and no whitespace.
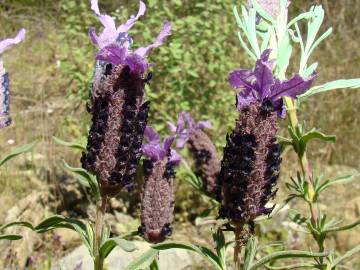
{"x":51,"y":72}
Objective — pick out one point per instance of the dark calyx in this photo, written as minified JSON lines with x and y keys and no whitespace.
{"x":119,"y":118}
{"x":251,"y":164}
{"x":157,"y":205}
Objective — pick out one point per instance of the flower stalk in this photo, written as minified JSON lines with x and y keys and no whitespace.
{"x":99,"y":229}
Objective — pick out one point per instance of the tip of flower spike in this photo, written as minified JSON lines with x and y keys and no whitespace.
{"x":7,"y":43}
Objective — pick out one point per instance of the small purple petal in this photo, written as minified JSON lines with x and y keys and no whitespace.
{"x":7,"y":43}
{"x":136,"y":63}
{"x":293,"y":87}
{"x":93,"y":36}
{"x":180,"y":125}
{"x":126,"y":26}
{"x":113,"y":53}
{"x":175,"y":157}
{"x":245,"y":98}
{"x":168,"y":142}
{"x":165,"y":32}
{"x":151,"y":135}
{"x":109,"y":24}
{"x":153,"y":151}
{"x":95,"y":7}
{"x":182,"y":139}
{"x":171,"y":127}
{"x":241,"y":78}
{"x":203,"y":124}
{"x":264,"y":75}
{"x":188,"y":120}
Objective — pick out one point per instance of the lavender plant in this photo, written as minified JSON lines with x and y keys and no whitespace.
{"x":251,"y":161}
{"x":119,"y":117}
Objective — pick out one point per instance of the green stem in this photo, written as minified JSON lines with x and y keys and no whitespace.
{"x":99,"y":227}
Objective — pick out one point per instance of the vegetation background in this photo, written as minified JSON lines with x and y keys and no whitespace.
{"x":51,"y":73}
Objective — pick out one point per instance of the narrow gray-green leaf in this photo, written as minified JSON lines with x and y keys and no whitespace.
{"x":291,"y":266}
{"x":343,"y":228}
{"x":11,"y":237}
{"x":284,"y":255}
{"x":18,"y":151}
{"x":73,"y":145}
{"x":143,"y":261}
{"x":111,"y":243}
{"x":339,"y":84}
{"x":347,"y":255}
{"x":203,"y":251}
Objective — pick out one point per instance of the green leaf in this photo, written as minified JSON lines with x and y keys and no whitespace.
{"x":143,"y":261}
{"x":250,"y":252}
{"x":11,"y":237}
{"x":348,"y":254}
{"x":284,"y":255}
{"x":338,"y":180}
{"x":339,"y":84}
{"x":203,"y":251}
{"x":291,"y":266}
{"x":17,"y":223}
{"x":85,"y":178}
{"x":313,"y":134}
{"x":111,"y":243}
{"x":342,"y":228}
{"x":73,"y":145}
{"x":219,"y":240}
{"x":154,"y":265}
{"x":57,"y":221}
{"x":17,"y":151}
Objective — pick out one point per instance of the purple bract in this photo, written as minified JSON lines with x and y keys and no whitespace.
{"x":182,"y":133}
{"x":114,"y":43}
{"x":260,"y":84}
{"x":155,"y":150}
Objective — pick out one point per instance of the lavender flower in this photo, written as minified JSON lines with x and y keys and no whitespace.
{"x":114,"y":43}
{"x":260,"y":85}
{"x":207,"y":162}
{"x":119,"y":118}
{"x":251,"y":161}
{"x":5,"y":119}
{"x":119,"y":113}
{"x":157,"y":204}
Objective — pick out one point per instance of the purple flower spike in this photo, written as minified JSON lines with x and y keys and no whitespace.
{"x":5,"y":119}
{"x":155,"y":150}
{"x":7,"y":43}
{"x":260,"y":85}
{"x":111,"y":34}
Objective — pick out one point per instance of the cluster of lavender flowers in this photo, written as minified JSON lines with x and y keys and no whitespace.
{"x":119,"y":112}
{"x":243,"y":182}
{"x":5,"y":119}
{"x":119,"y":123}
{"x":251,"y":162}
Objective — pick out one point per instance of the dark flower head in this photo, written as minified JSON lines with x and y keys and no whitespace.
{"x":157,"y":204}
{"x":114,"y":43}
{"x":182,"y":132}
{"x":207,"y":162}
{"x":119,"y":118}
{"x":5,"y":119}
{"x":260,"y":84}
{"x":250,"y":165}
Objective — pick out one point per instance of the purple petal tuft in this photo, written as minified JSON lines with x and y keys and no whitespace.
{"x":7,"y":43}
{"x":165,"y":32}
{"x":130,"y":22}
